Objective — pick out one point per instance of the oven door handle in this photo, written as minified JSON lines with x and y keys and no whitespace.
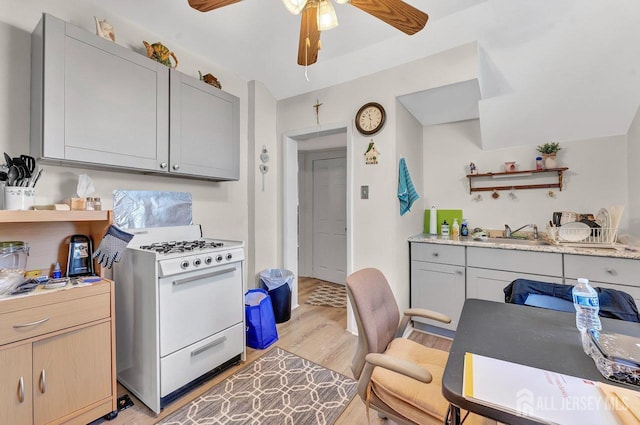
{"x":209,"y":345}
{"x":203,"y":276}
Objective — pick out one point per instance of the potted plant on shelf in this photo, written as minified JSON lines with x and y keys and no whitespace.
{"x":549,"y":153}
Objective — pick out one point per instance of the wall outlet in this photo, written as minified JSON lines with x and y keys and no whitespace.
{"x":364,"y":192}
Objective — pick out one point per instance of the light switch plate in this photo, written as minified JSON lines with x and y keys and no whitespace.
{"x":364,"y":192}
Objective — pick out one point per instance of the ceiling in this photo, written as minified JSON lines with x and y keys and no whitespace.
{"x":258,"y":39}
{"x":547,"y":69}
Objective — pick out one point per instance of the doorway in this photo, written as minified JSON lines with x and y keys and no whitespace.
{"x":322,"y":233}
{"x":292,"y":142}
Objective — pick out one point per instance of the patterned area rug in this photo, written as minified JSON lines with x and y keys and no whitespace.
{"x":330,"y":295}
{"x":279,"y":388}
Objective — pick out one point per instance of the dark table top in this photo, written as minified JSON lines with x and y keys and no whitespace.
{"x":537,"y":337}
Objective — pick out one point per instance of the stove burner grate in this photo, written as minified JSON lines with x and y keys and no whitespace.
{"x":171,"y":247}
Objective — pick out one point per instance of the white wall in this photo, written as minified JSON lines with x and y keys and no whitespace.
{"x":262,"y":208}
{"x":376,"y":232}
{"x":597,"y":177}
{"x":221,"y":208}
{"x":409,"y":146}
{"x":633,"y":165}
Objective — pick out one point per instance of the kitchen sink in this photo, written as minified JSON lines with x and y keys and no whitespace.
{"x":516,"y":241}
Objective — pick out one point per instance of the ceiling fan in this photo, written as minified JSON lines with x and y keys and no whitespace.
{"x":319,"y":15}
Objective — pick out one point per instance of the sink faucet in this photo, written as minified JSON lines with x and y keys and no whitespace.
{"x":508,"y":233}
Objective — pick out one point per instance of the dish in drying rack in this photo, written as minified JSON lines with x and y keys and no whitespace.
{"x":603,"y":218}
{"x":574,"y":232}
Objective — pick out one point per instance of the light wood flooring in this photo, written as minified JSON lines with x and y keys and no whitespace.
{"x":314,"y":332}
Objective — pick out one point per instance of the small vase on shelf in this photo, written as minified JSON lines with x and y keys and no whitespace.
{"x":550,"y":160}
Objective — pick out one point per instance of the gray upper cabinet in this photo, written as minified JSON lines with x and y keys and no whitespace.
{"x":204,"y":129}
{"x":98,"y":104}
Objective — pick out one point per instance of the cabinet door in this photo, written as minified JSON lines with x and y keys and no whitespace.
{"x":71,"y":371}
{"x":15,"y":385}
{"x":101,"y":103}
{"x":487,"y":284}
{"x":205,"y":129}
{"x":438,"y":287}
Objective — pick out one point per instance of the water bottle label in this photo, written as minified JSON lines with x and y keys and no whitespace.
{"x":586,"y":301}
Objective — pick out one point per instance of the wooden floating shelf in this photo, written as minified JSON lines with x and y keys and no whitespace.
{"x":517,"y":175}
{"x":36,"y":216}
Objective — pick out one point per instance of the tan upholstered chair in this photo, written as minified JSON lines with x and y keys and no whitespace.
{"x":398,"y":377}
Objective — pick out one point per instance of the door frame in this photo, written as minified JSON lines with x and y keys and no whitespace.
{"x":290,"y":201}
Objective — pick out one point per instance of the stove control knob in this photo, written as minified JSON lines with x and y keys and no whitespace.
{"x":197,"y":262}
{"x":229,"y":256}
{"x":218,"y":258}
{"x":208,"y":260}
{"x":184,"y":264}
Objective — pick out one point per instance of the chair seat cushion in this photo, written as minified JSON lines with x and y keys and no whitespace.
{"x":420,"y":402}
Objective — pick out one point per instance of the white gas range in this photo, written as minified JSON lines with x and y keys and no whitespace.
{"x":179,"y":311}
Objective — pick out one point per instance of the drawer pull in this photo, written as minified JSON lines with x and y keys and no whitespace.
{"x":459,"y":272}
{"x":204,"y":276}
{"x":611,"y":271}
{"x":21,"y":390}
{"x":43,"y":382}
{"x":435,"y":254}
{"x":209,"y":345}
{"x":26,"y":325}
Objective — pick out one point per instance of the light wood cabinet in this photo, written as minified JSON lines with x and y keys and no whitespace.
{"x":57,"y":347}
{"x":97,"y":104}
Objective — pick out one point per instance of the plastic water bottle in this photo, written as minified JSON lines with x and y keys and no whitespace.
{"x":587,"y":305}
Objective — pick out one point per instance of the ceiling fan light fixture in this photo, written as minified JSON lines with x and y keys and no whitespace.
{"x":343,"y":1}
{"x":295,"y":6}
{"x":327,"y":18}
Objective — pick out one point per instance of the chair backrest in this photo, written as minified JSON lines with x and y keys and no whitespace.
{"x":376,"y":313}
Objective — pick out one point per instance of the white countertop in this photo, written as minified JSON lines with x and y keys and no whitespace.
{"x":620,"y":252}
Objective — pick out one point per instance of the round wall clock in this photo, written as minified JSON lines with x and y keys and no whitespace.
{"x":370,"y":118}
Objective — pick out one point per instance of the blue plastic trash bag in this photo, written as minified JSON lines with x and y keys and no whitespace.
{"x":261,"y":323}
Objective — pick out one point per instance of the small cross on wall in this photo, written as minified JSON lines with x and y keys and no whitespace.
{"x":317,"y":108}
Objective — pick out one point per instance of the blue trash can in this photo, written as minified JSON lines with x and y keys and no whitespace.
{"x":278,"y":284}
{"x":261,"y":325}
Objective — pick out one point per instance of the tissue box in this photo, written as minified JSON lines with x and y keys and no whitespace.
{"x":77,"y":204}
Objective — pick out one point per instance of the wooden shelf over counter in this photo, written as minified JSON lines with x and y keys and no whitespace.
{"x":517,"y":175}
{"x":39,"y":216}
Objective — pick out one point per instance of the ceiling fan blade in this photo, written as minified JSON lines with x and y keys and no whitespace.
{"x":308,"y":52}
{"x":207,"y":5}
{"x":396,"y":13}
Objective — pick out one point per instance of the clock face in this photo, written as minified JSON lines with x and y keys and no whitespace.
{"x":370,"y":118}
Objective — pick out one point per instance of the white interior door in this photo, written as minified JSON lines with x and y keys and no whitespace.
{"x":329,"y":219}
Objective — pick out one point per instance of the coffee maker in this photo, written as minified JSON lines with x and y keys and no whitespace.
{"x":80,"y":261}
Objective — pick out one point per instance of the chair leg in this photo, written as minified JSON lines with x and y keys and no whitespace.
{"x":453,"y":415}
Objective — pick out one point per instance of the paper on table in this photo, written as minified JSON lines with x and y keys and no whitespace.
{"x":542,"y":395}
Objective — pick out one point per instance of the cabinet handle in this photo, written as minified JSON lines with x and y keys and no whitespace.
{"x":610,"y":271}
{"x":176,"y":166}
{"x":163,"y":165}
{"x":43,"y":382}
{"x":459,"y":272}
{"x":24,"y":325}
{"x":209,"y":345}
{"x":21,"y":390}
{"x":435,"y":254}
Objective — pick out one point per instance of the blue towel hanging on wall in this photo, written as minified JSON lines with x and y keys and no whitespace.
{"x":406,"y":191}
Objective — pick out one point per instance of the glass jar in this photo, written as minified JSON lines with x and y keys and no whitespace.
{"x":97,"y":204}
{"x":89,"y":204}
{"x":539,"y":164}
{"x":13,"y":255}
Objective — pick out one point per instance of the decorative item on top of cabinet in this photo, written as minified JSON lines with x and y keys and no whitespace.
{"x":555,"y":174}
{"x":104,"y":29}
{"x":549,"y":153}
{"x":210,"y":79}
{"x":160,"y":53}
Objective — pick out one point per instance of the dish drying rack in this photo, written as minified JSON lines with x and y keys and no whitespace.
{"x":575,"y":237}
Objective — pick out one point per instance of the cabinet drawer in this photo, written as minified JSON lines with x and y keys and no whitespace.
{"x":197,"y":359}
{"x":540,"y":263}
{"x":436,"y":253}
{"x":602,"y":269}
{"x":42,"y":319}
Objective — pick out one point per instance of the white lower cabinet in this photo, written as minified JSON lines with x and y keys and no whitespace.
{"x":438,"y":281}
{"x":605,"y":272}
{"x":487,"y":284}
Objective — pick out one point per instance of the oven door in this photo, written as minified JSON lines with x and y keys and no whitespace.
{"x":195,"y":305}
